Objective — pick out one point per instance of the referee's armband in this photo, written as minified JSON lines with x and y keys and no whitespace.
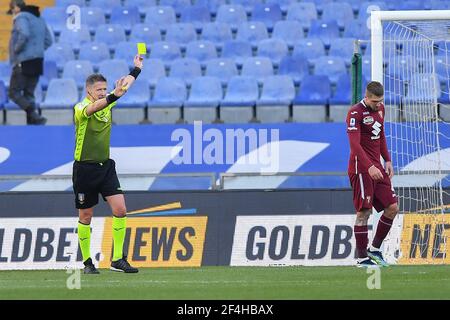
{"x":110,"y":98}
{"x":135,"y":72}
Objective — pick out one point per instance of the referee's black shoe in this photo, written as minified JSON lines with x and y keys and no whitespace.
{"x":89,"y":267}
{"x":122,"y":265}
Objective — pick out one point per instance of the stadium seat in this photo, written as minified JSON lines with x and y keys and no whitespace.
{"x":252,"y":31}
{"x":407,"y":5}
{"x":166,"y":51}
{"x":3,"y":100}
{"x":148,"y":33}
{"x":126,"y":51}
{"x":127,"y":17}
{"x":325,"y":30}
{"x":169,"y":96}
{"x":221,"y":68}
{"x":342,"y":98}
{"x":439,"y":5}
{"x":289,"y":31}
{"x":162,"y":16}
{"x":366,"y":64}
{"x":95,"y":52}
{"x":342,"y":12}
{"x":274,"y":49}
{"x":201,"y":50}
{"x":367,"y":7}
{"x":78,"y":70}
{"x":276,"y":96}
{"x":153,"y":70}
{"x":320,"y":4}
{"x":258,"y":67}
{"x":295,"y":67}
{"x":268,"y":14}
{"x":344,"y":48}
{"x":197,"y":15}
{"x":5,"y":72}
{"x":177,"y":5}
{"x":111,"y":34}
{"x":204,"y":98}
{"x":140,"y":4}
{"x":60,"y":53}
{"x":303,"y":12}
{"x":309,"y":105}
{"x":240,"y":98}
{"x":66,"y":3}
{"x":60,"y":99}
{"x":75,"y":38}
{"x":181,"y":33}
{"x":237,"y":50}
{"x":284,"y":4}
{"x":442,"y":68}
{"x":92,"y":17}
{"x":247,"y":4}
{"x":217,"y":32}
{"x":186,"y":69}
{"x":311,"y":49}
{"x":14,"y":115}
{"x":106,"y":5}
{"x":50,"y":72}
{"x":56,"y":18}
{"x":130,"y":109}
{"x":212,"y":5}
{"x":333,"y":67}
{"x":233,"y":15}
{"x":358,"y":29}
{"x":113,"y":70}
{"x":402,"y":66}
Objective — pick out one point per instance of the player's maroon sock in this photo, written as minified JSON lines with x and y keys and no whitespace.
{"x":362,"y":240}
{"x":384,"y":225}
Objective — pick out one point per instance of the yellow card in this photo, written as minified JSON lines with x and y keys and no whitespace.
{"x":142,"y":49}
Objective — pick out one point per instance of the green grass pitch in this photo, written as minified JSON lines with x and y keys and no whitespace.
{"x":230,"y":283}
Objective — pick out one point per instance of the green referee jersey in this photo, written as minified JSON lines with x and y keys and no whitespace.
{"x":92,"y":133}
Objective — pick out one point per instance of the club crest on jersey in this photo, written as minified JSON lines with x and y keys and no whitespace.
{"x":368,"y":120}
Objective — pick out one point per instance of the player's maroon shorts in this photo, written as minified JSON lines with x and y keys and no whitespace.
{"x":368,"y":192}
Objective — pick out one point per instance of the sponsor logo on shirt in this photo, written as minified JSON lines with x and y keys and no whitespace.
{"x":368,"y":120}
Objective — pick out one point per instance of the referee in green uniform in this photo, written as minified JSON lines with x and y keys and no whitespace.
{"x":93,"y":171}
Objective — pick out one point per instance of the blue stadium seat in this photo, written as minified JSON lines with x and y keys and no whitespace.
{"x":330,"y":66}
{"x":366,"y":65}
{"x":75,"y":38}
{"x":113,"y":70}
{"x":60,"y":53}
{"x":240,"y":98}
{"x":78,"y":70}
{"x":221,"y":68}
{"x":95,"y":52}
{"x":3,"y":97}
{"x":92,"y":17}
{"x":153,"y":70}
{"x":186,"y":69}
{"x":407,"y":5}
{"x":258,"y":67}
{"x":320,"y":4}
{"x":111,"y":34}
{"x":127,"y":17}
{"x":106,"y":5}
{"x":269,"y":14}
{"x":295,"y":67}
{"x":142,"y":5}
{"x":61,"y":93}
{"x":284,"y":4}
{"x":423,"y":87}
{"x":197,"y":15}
{"x":169,"y":96}
{"x":342,"y":12}
{"x":247,"y":4}
{"x":201,"y":50}
{"x":161,"y":16}
{"x":5,"y":72}
{"x":147,"y":33}
{"x":401,"y":66}
{"x":130,"y":109}
{"x":343,"y":92}
{"x":303,"y":12}
{"x":56,"y":18}
{"x":289,"y":30}
{"x":442,"y":67}
{"x":342,"y":47}
{"x":66,"y":3}
{"x":217,"y":32}
{"x":166,"y":51}
{"x":354,"y":4}
{"x":182,"y":33}
{"x":439,"y":5}
{"x":325,"y":30}
{"x":358,"y":29}
{"x":126,"y":51}
{"x":368,"y":6}
{"x":252,"y":31}
{"x":212,"y":5}
{"x":274,"y":49}
{"x":237,"y":50}
{"x":177,"y":5}
{"x":204,"y":98}
{"x":50,"y":72}
{"x":311,"y":99}
{"x":234,"y":15}
{"x":310,"y":48}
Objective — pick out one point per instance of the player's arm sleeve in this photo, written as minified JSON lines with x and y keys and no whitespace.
{"x":80,"y":111}
{"x":383,"y":148}
{"x":23,"y":33}
{"x":354,"y":137}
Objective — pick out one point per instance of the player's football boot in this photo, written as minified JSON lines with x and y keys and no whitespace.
{"x":122,"y":265}
{"x":366,"y":263}
{"x":89,"y":267}
{"x":377,"y":256}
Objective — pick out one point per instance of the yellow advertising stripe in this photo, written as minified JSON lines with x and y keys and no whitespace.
{"x":169,"y":206}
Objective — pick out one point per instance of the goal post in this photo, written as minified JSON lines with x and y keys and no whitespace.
{"x":410,"y":57}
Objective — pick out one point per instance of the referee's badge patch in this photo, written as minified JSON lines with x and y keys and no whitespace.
{"x":81,"y":198}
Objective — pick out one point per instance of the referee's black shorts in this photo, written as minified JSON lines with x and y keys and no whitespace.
{"x":91,"y":178}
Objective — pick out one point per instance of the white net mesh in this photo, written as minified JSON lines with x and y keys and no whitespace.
{"x":416,"y":81}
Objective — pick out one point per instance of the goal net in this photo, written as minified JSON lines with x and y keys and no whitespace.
{"x":410,"y":56}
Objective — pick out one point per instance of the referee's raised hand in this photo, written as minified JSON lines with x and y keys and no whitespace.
{"x":121,"y":87}
{"x":138,"y":61}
